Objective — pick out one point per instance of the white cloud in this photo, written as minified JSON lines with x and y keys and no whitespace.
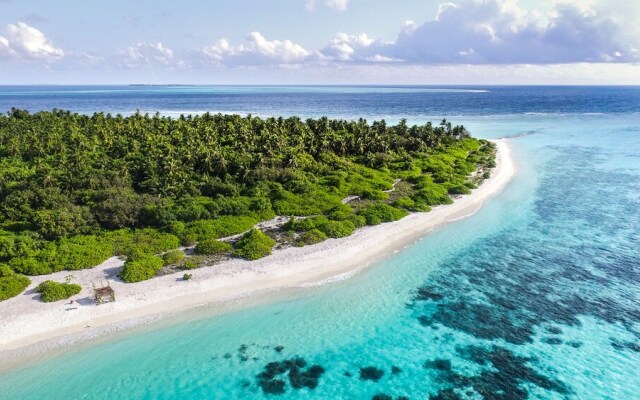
{"x":339,"y":5}
{"x":23,"y":42}
{"x":149,"y":54}
{"x":500,"y":32}
{"x":360,"y":47}
{"x":257,"y":50}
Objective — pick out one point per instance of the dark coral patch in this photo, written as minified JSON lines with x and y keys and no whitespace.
{"x":624,"y":345}
{"x":371,"y":374}
{"x":506,"y":375}
{"x":445,"y":394}
{"x":554,"y":330}
{"x":395,"y":370}
{"x":552,"y":340}
{"x":439,"y":364}
{"x":427,"y":293}
{"x":271,"y":382}
{"x":278,"y":349}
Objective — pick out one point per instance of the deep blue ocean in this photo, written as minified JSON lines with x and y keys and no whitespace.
{"x":537,"y":296}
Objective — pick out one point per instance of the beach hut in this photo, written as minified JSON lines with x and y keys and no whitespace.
{"x":104,"y":294}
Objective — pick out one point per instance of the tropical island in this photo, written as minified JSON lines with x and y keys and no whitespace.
{"x":150,"y":197}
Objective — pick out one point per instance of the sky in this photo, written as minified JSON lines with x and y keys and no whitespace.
{"x":320,"y":42}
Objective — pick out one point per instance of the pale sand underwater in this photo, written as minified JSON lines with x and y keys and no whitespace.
{"x":30,"y":326}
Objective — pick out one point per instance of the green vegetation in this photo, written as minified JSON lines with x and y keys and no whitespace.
{"x":194,"y":262}
{"x":254,"y":245}
{"x":11,"y":284}
{"x":78,"y":189}
{"x":186,"y":277}
{"x":378,"y":213}
{"x":311,"y":237}
{"x":173,"y":257}
{"x":213,"y":247}
{"x":51,"y":291}
{"x":141,"y":269}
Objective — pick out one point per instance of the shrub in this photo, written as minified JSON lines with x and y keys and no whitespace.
{"x":312,"y":237}
{"x":306,"y":224}
{"x":219,"y":227}
{"x":11,"y":284}
{"x":374,"y":195}
{"x":341,"y":212}
{"x":459,"y":189}
{"x":358,"y":221}
{"x":254,"y":245}
{"x":378,"y":213}
{"x":141,"y":269}
{"x":186,"y":277}
{"x":51,"y":291}
{"x":79,"y":252}
{"x":30,"y":266}
{"x":410,"y":204}
{"x":338,"y":229}
{"x":173,"y":257}
{"x":194,"y":262}
{"x":432,"y":194}
{"x":143,"y":241}
{"x":212,"y":246}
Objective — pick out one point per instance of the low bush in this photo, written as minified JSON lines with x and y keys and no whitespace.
{"x":341,"y":212}
{"x":194,"y":262}
{"x":338,"y":229}
{"x":173,"y":257}
{"x":374,"y":195}
{"x":378,"y":213}
{"x":358,"y":221}
{"x":254,"y":245}
{"x":143,"y":241}
{"x":141,"y":269}
{"x":51,"y":291}
{"x":78,"y":253}
{"x":11,"y":284}
{"x":219,"y":227}
{"x":186,"y":277}
{"x":410,"y":204}
{"x":432,"y":194}
{"x":30,"y":266}
{"x":212,"y":246}
{"x":305,"y":224}
{"x":311,"y":237}
{"x":459,"y":189}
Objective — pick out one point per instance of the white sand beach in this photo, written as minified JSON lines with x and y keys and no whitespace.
{"x":26,"y":322}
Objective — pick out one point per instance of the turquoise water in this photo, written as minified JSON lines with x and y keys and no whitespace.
{"x":536,"y":296}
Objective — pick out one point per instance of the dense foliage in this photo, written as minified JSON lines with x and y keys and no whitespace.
{"x":11,"y":284}
{"x":77,"y":189}
{"x":141,"y":269}
{"x":173,"y":257}
{"x":51,"y":291}
{"x":212,"y":247}
{"x":254,"y":245}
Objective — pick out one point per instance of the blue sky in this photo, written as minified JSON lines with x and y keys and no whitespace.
{"x":320,"y":41}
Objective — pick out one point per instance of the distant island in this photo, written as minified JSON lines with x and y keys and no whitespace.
{"x":175,"y":194}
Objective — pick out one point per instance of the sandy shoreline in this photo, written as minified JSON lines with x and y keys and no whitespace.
{"x":28,"y":325}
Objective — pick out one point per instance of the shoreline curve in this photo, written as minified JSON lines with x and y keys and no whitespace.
{"x":32,"y":329}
